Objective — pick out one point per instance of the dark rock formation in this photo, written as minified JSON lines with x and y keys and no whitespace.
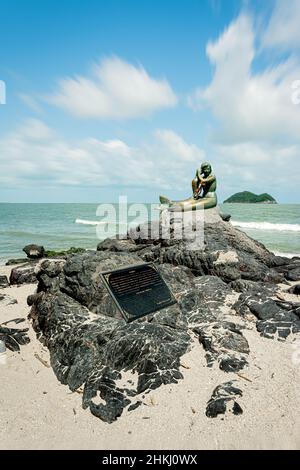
{"x":290,"y":269}
{"x":294,"y":289}
{"x":92,"y":346}
{"x":34,"y":251}
{"x":26,"y":273}
{"x":6,"y":299}
{"x":14,"y":337}
{"x":275,"y":318}
{"x":222,"y":396}
{"x":225,"y":217}
{"x":89,"y":341}
{"x":14,"y":261}
{"x":3,"y":282}
{"x":23,"y":274}
{"x":228,"y":253}
{"x":225,"y":343}
{"x":293,"y":274}
{"x":119,"y":245}
{"x":62,"y":254}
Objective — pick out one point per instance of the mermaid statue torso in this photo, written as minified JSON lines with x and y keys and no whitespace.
{"x":204,"y":187}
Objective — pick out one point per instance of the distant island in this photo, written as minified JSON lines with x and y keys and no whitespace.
{"x":248,"y":197}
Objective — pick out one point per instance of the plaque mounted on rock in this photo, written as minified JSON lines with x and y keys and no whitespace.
{"x":138,"y":290}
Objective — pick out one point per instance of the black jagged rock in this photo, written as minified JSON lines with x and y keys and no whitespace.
{"x":225,"y":344}
{"x":222,"y":396}
{"x":14,"y":337}
{"x":24,"y":274}
{"x":294,"y":289}
{"x":90,"y":344}
{"x":273,"y":318}
{"x":3,"y":282}
{"x":34,"y":251}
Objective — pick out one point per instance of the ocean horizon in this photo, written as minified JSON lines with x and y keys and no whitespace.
{"x":63,"y":225}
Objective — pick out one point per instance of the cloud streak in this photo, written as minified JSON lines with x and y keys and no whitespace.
{"x":117,"y":90}
{"x":249,"y":107}
{"x":283,"y":30}
{"x":36,"y":155}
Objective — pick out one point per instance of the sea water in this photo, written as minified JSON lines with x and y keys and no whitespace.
{"x":60,"y":226}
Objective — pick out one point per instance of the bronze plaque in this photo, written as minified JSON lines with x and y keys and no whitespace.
{"x":138,"y":290}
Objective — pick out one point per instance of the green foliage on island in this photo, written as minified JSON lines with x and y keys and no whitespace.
{"x":251,"y":198}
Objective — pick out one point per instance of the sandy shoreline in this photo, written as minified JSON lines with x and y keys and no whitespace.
{"x":37,"y":412}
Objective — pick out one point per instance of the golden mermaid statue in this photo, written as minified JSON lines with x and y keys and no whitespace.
{"x":204,"y":187}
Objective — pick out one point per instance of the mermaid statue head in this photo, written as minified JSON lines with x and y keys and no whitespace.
{"x":205,"y":170}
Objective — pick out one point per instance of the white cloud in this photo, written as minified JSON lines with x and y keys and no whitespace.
{"x":260,"y":168}
{"x":283,"y":30}
{"x":35,"y":155}
{"x":249,"y":107}
{"x":34,"y":129}
{"x":31,"y":102}
{"x":176,"y":145}
{"x":117,"y":90}
{"x":244,"y":154}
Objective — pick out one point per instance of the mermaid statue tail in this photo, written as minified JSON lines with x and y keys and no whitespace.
{"x":165,"y":200}
{"x":190,"y":204}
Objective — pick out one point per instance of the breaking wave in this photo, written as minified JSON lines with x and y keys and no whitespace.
{"x":96,"y":222}
{"x":286,"y":255}
{"x":267,"y":226}
{"x":89,"y":222}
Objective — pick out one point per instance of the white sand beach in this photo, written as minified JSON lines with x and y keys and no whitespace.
{"x":37,"y":412}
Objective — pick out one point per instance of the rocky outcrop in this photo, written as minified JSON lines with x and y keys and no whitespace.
{"x":275,"y":318}
{"x":27,"y":273}
{"x":294,"y":289}
{"x":221,"y":287}
{"x":13,"y":261}
{"x":222,"y":397}
{"x":91,"y":344}
{"x":14,"y":337}
{"x":225,"y":217}
{"x":228,"y":253}
{"x":3,"y":282}
{"x":34,"y":251}
{"x":37,"y":252}
{"x":24,"y":274}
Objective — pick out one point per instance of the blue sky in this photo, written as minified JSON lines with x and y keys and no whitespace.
{"x":129,"y":96}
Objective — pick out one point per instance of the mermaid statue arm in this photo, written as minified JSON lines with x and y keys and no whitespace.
{"x":210,"y":179}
